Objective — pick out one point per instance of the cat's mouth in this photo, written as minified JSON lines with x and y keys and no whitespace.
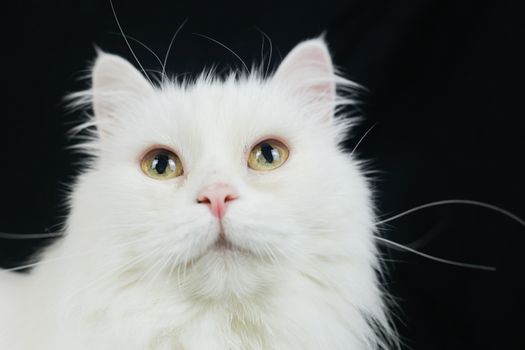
{"x":223,"y":243}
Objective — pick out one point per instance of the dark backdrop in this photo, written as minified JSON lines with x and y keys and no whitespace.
{"x":445,"y":81}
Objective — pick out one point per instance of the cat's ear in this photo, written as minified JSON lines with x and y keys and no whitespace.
{"x":115,"y":82}
{"x":308,"y":72}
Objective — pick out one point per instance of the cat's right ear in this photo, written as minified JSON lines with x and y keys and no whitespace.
{"x":115,"y":82}
{"x":307,"y":71}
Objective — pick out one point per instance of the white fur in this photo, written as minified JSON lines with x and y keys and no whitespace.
{"x":137,"y":268}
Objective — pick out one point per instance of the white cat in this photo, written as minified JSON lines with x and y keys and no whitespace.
{"x":216,"y":214}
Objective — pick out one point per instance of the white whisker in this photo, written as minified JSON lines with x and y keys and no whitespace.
{"x":271,"y":50}
{"x":362,"y":138}
{"x":143,"y":45}
{"x":153,"y":267}
{"x":431,"y":257}
{"x":5,"y":235}
{"x":456,"y":201}
{"x":163,"y":64}
{"x":127,"y":264}
{"x":226,"y":47}
{"x":174,"y":264}
{"x":69,"y":256}
{"x":262,"y":50}
{"x":127,"y":42}
{"x":448,"y":202}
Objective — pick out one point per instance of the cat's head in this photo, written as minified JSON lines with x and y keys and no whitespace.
{"x":228,"y":180}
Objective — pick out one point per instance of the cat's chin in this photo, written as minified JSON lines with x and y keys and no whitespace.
{"x":224,"y":266}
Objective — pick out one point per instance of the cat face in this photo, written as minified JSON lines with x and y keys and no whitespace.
{"x":226,"y":222}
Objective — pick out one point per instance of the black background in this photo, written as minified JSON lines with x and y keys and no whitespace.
{"x":445,"y":81}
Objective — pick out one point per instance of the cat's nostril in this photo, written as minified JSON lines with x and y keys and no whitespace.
{"x":217,"y":197}
{"x":203,"y":200}
{"x":230,"y":198}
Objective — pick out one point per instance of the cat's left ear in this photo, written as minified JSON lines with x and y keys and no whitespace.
{"x":115,"y":82}
{"x":308,"y":72}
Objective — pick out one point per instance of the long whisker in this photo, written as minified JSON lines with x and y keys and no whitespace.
{"x":173,"y":259}
{"x":177,"y":263}
{"x":456,"y":201}
{"x":67,"y":257}
{"x":9,"y":235}
{"x":226,"y":47}
{"x":431,"y":257}
{"x":5,"y":235}
{"x":141,"y":44}
{"x":161,"y":268}
{"x":185,"y":262}
{"x":362,"y":138}
{"x":271,"y":49}
{"x":152,"y":267}
{"x":169,"y":47}
{"x":127,"y":264}
{"x":76,"y":291}
{"x":262,"y":52}
{"x":273,"y":257}
{"x":492,"y":207}
{"x":168,"y":267}
{"x":127,"y":42}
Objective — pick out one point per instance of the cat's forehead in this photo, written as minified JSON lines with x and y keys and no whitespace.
{"x":232,"y":102}
{"x":219,"y":111}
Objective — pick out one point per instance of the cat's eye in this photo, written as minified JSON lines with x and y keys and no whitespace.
{"x":161,"y":164}
{"x":268,"y":155}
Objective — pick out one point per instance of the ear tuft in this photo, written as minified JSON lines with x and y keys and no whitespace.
{"x":308,"y":70}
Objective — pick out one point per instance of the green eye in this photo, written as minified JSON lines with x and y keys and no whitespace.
{"x":161,"y":164}
{"x":268,"y":155}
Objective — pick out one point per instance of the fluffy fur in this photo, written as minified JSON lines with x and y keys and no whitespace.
{"x":138,"y":267}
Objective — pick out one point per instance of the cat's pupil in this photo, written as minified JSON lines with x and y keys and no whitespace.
{"x":267,"y":152}
{"x":160,"y":163}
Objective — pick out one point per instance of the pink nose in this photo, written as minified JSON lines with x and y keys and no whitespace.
{"x":217,"y":197}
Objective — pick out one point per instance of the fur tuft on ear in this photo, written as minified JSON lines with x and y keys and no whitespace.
{"x":115,"y":81}
{"x":308,"y":72}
